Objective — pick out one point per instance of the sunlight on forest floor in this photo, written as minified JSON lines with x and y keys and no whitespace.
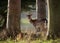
{"x":34,"y":41}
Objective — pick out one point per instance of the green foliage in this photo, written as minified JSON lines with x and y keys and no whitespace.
{"x":2,"y":22}
{"x":3,"y":12}
{"x":3,"y":7}
{"x":34,"y":41}
{"x":26,"y":3}
{"x":25,"y":21}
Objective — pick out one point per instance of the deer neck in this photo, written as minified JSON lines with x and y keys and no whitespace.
{"x":30,"y":18}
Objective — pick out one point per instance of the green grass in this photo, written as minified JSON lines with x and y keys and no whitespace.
{"x":34,"y":41}
{"x":25,"y":21}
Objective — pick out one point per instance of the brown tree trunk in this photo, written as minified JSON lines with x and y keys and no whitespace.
{"x":13,"y":17}
{"x":54,"y":18}
{"x":41,"y":16}
{"x":41,"y":9}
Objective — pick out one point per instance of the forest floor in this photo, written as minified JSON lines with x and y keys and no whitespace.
{"x":33,"y":41}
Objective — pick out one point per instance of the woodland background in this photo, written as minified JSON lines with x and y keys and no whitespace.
{"x":14,"y":23}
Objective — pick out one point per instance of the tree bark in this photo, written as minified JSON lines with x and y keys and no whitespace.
{"x":13,"y":17}
{"x":54,"y":18}
{"x":41,"y":16}
{"x":41,"y":9}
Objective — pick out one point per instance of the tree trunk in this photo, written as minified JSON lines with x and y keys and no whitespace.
{"x":41,"y":9}
{"x":54,"y":18}
{"x":41,"y":16}
{"x":13,"y":17}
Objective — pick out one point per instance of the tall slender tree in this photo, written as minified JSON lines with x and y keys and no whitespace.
{"x":13,"y":17}
{"x":41,"y":16}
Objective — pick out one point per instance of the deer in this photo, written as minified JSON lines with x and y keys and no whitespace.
{"x":36,"y":22}
{"x":33,"y":21}
{"x":40,"y":25}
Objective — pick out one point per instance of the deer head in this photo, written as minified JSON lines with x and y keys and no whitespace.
{"x":29,"y":16}
{"x":32,"y":21}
